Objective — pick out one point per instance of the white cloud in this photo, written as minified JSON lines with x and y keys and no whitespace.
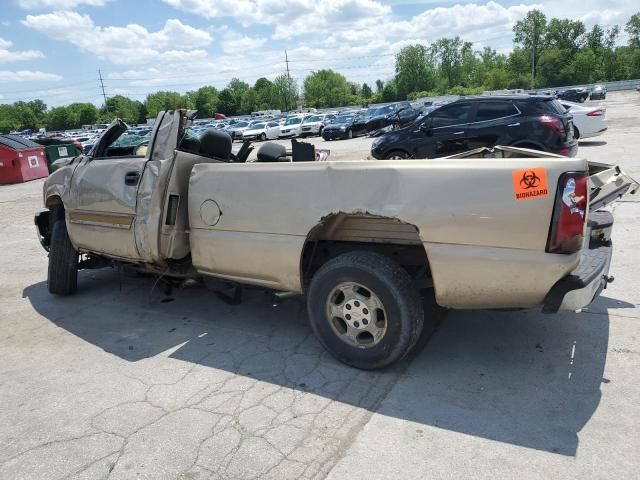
{"x":132,"y":44}
{"x":7,"y":55}
{"x":60,"y":4}
{"x":27,"y":76}
{"x":235,"y":42}
{"x":285,"y":14}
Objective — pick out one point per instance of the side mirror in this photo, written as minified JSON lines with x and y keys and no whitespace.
{"x":424,"y":128}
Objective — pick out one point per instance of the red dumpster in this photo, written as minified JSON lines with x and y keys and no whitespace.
{"x":21,"y":160}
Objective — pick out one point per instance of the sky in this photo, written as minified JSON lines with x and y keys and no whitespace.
{"x":53,"y":49}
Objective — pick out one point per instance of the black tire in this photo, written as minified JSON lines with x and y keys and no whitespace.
{"x":62,"y":276}
{"x":386,"y":280}
{"x":434,"y":315}
{"x":326,"y":139}
{"x":396,"y":155}
{"x":576,"y":132}
{"x":263,"y":137}
{"x":349,"y":134}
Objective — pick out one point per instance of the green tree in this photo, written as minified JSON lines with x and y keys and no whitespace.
{"x":82,"y":114}
{"x":265,"y":94}
{"x":58,"y":118}
{"x":414,"y":70}
{"x":133,"y":111}
{"x":326,"y":88}
{"x":249,"y":101}
{"x":581,"y":69}
{"x":163,"y":100}
{"x":286,"y":92}
{"x":390,"y":92}
{"x":366,"y":91}
{"x":237,"y":88}
{"x":564,"y":33}
{"x":8,"y":119}
{"x":204,"y":100}
{"x":379,"y":85}
{"x":551,"y":67}
{"x":519,"y":68}
{"x":529,"y":33}
{"x":226,"y":103}
{"x":25,"y":116}
{"x":449,"y":55}
{"x":496,"y":79}
{"x":632,"y":28}
{"x":595,"y":38}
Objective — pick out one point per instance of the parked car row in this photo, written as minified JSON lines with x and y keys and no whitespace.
{"x":579,"y":95}
{"x":268,"y":126}
{"x":536,"y":122}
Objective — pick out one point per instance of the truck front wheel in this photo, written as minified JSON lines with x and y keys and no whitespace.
{"x":365,"y":309}
{"x":62,"y":277}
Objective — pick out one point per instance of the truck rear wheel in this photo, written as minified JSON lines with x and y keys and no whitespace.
{"x":62,"y":277}
{"x":365,"y":309}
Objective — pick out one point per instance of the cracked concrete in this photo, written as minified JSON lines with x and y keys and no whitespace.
{"x":112,"y":383}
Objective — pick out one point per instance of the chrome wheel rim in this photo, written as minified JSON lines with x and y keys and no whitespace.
{"x":356,"y":315}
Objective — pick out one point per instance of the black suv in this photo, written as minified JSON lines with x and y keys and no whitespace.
{"x":393,"y":115}
{"x":537,"y":122}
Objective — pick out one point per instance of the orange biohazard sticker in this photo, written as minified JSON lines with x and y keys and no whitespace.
{"x":530,"y":183}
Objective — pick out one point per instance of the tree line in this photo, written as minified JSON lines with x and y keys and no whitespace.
{"x":547,"y":53}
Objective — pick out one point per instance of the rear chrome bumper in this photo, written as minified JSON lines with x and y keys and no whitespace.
{"x":582,"y":285}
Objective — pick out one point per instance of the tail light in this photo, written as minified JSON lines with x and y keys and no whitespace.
{"x":569,"y":213}
{"x":554,"y":123}
{"x":597,"y":113}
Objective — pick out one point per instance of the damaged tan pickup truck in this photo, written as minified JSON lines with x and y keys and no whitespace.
{"x":365,"y":241}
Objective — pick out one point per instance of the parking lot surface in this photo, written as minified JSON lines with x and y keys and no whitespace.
{"x":125,"y":380}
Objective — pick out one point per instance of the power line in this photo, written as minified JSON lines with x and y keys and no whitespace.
{"x":196,"y":74}
{"x":29,"y":90}
{"x":379,"y":55}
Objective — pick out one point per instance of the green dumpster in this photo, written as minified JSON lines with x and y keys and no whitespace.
{"x":56,"y":152}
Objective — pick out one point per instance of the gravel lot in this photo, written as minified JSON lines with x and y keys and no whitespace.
{"x":122,"y":381}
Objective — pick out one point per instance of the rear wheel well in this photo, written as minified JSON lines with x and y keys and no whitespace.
{"x":341,"y":233}
{"x":397,"y":151}
{"x":576,"y":132}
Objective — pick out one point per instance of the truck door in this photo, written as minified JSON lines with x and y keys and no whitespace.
{"x":445,"y":131}
{"x":102,"y":202}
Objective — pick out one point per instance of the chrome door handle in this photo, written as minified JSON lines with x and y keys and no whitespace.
{"x":514,"y":124}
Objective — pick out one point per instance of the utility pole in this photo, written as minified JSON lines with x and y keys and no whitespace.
{"x":286,"y":98}
{"x":103,"y":94}
{"x":533,"y":66}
